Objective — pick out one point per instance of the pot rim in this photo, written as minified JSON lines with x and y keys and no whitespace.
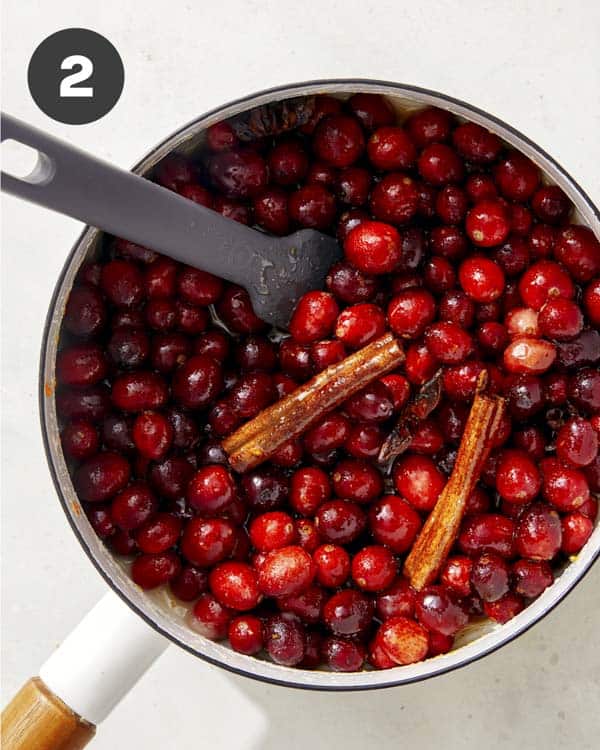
{"x":141,"y":602}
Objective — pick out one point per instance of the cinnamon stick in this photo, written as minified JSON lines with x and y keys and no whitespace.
{"x":257,"y":440}
{"x":437,"y":536}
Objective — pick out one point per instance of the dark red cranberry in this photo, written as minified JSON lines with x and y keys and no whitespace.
{"x":437,"y":610}
{"x":531,"y":577}
{"x":456,"y":575}
{"x":448,"y":241}
{"x":189,"y":584}
{"x":364,"y":441}
{"x":451,"y":204}
{"x":326,"y":353}
{"x":396,"y":601}
{"x":576,"y":530}
{"x":517,"y":477}
{"x":209,"y":618}
{"x":456,"y":307}
{"x":152,"y":435}
{"x":168,"y":351}
{"x":284,"y":638}
{"x":560,"y":319}
{"x":581,"y":351}
{"x":161,"y":314}
{"x":374,"y":403}
{"x":122,"y":543}
{"x":373,"y":110}
{"x":287,"y":162}
{"x":308,"y":605}
{"x":171,"y":476}
{"x":90,"y":273}
{"x":492,"y":336}
{"x":505,"y":608}
{"x":420,"y":365}
{"x":264,"y":489}
{"x":131,"y":251}
{"x":348,"y":613}
{"x":340,"y":521}
{"x":439,"y":164}
{"x":399,"y":388}
{"x":221,"y":137}
{"x":271,"y":210}
{"x":332,"y":564}
{"x":487,"y":223}
{"x":252,"y":393}
{"x":439,"y":275}
{"x":320,"y":173}
{"x":531,"y":440}
{"x":353,"y":185}
{"x":81,"y":365}
{"x":520,"y":219}
{"x":312,"y":206}
{"x":133,"y":506}
{"x":174,"y":170}
{"x":410,"y":312}
{"x":158,"y":534}
{"x":476,"y":144}
{"x":395,"y":523}
{"x":150,"y":571}
{"x":349,"y":284}
{"x":238,"y":174}
{"x":390,"y":148}
{"x":480,"y":186}
{"x":448,"y":342}
{"x":122,"y":283}
{"x":235,"y":309}
{"x":550,"y":204}
{"x":338,"y":140}
{"x":85,"y":314}
{"x":526,"y":397}
{"x":578,"y":250}
{"x":289,"y":454}
{"x":517,"y":177}
{"x":101,"y":521}
{"x":128,"y":348}
{"x":418,"y":480}
{"x":395,"y":199}
{"x":211,"y":490}
{"x":490,"y":576}
{"x":565,"y":488}
{"x":487,"y":532}
{"x":196,"y":193}
{"x":101,"y":477}
{"x":427,"y":196}
{"x":356,"y":480}
{"x":80,"y":439}
{"x":232,"y":209}
{"x":429,"y":125}
{"x":198,"y":287}
{"x":139,"y":391}
{"x":191,"y":319}
{"x":245,"y":634}
{"x":538,"y":534}
{"x":206,"y":542}
{"x":197,"y":382}
{"x":577,"y":442}
{"x":343,"y":655}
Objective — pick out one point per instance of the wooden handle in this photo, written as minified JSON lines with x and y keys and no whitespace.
{"x":36,"y":719}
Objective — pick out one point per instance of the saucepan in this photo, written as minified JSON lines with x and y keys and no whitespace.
{"x":120,"y":638}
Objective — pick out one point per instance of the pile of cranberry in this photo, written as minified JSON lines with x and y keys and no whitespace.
{"x":451,"y":241}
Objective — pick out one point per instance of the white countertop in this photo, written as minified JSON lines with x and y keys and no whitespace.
{"x":534,"y":64}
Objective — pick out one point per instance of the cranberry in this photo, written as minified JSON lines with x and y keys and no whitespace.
{"x":264,"y":489}
{"x":476,"y":143}
{"x":320,"y":173}
{"x":517,"y":177}
{"x":295,"y":360}
{"x":234,"y":585}
{"x":189,"y":584}
{"x":150,"y":571}
{"x":238,"y":174}
{"x":512,"y":256}
{"x":528,"y":355}
{"x":437,"y":610}
{"x":565,"y":488}
{"x":438,"y":164}
{"x":289,"y":454}
{"x":349,"y":284}
{"x":252,"y":393}
{"x":373,"y":247}
{"x":580,"y":351}
{"x":288,"y":570}
{"x":348,"y":613}
{"x":232,"y":209}
{"x":122,"y":543}
{"x":85,"y":314}
{"x":285,"y":641}
{"x":173,"y":171}
{"x":399,"y":388}
{"x":249,"y":353}
{"x":505,"y":608}
{"x":456,"y":575}
{"x":531,"y":440}
{"x":342,"y":655}
{"x":312,"y":206}
{"x":579,"y":251}
{"x":271,"y":210}
{"x":158,"y":534}
{"x":487,"y":223}
{"x":481,"y":278}
{"x":102,"y":476}
{"x":525,"y":396}
{"x":517,"y":479}
{"x":326,"y":353}
{"x":577,"y":442}
{"x":272,"y":531}
{"x":287,"y":162}
{"x":410,"y":312}
{"x":357,"y":480}
{"x":122,"y":283}
{"x":439,"y":275}
{"x":374,"y":403}
{"x":360,"y":324}
{"x":560,"y":319}
{"x":81,"y":365}
{"x":490,"y":576}
{"x":538,"y":534}
{"x":404,"y":641}
{"x":531,"y":577}
{"x":427,"y":196}
{"x":448,"y":342}
{"x":550,"y":204}
{"x":332,"y":564}
{"x":235,"y":309}
{"x":420,"y":365}
{"x":329,"y":433}
{"x":477,"y":502}
{"x":390,"y":148}
{"x":101,"y":521}
{"x":372,"y":110}
{"x":314,"y":317}
{"x":209,"y":618}
{"x":80,"y":439}
{"x":207,"y":541}
{"x":449,"y":242}
{"x":576,"y":530}
{"x":308,"y":605}
{"x":480,"y":186}
{"x":487,"y":532}
{"x":211,"y":490}
{"x":131,"y":251}
{"x":418,"y":480}
{"x":353,"y":185}
{"x":429,"y":125}
{"x":492,"y":336}
{"x":397,"y":600}
{"x":338,"y":140}
{"x":364,"y":441}
{"x":340,"y":521}
{"x":395,"y":199}
{"x":139,"y":391}
{"x":197,"y":382}
{"x":245,"y":634}
{"x":395,"y":523}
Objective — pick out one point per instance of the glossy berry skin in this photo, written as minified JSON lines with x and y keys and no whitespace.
{"x":410,"y":312}
{"x":332,"y":565}
{"x":340,"y":521}
{"x":122,"y":283}
{"x":150,"y":571}
{"x":373,"y":247}
{"x":372,"y":110}
{"x":238,"y":174}
{"x":102,"y":476}
{"x":353,"y":185}
{"x":437,"y":610}
{"x":456,"y":575}
{"x":312,"y":206}
{"x":517,"y":477}
{"x":538,"y":535}
{"x":543,"y":280}
{"x":158,"y":534}
{"x":531,"y":577}
{"x":245,"y":634}
{"x":314,"y":317}
{"x":481,"y":278}
{"x":348,"y":613}
{"x":374,"y":568}
{"x":517,"y":177}
{"x":81,"y":365}
{"x":564,"y":487}
{"x":487,"y":532}
{"x":550,"y":204}
{"x":560,"y":319}
{"x":439,"y":164}
{"x":139,"y":391}
{"x":505,"y":608}
{"x":418,"y":480}
{"x":272,"y":531}
{"x":338,"y":140}
{"x":288,"y":570}
{"x":390,"y":148}
{"x":350,"y":285}
{"x":85,"y":313}
{"x":395,"y":199}
{"x":285,"y":641}
{"x":80,"y":439}
{"x":329,"y":433}
{"x":356,"y":480}
{"x":576,"y":530}
{"x":529,"y":355}
{"x":487,"y":223}
{"x":211,"y":490}
{"x":360,"y":324}
{"x":309,"y":488}
{"x":342,"y":655}
{"x":234,"y":585}
{"x":490,"y":576}
{"x":197,"y":382}
{"x":189,"y":584}
{"x":448,"y":342}
{"x":209,"y":618}
{"x":476,"y":143}
{"x":152,"y":435}
{"x":395,"y":523}
{"x":577,"y":442}
{"x":206,"y":542}
{"x":404,"y":641}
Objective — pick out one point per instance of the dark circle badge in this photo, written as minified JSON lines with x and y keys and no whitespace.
{"x":75,"y":76}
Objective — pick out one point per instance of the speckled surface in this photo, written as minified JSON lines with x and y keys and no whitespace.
{"x":533,"y":64}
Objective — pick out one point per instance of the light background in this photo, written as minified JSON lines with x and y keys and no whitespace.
{"x":535,"y":64}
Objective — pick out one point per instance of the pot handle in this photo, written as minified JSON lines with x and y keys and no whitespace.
{"x":84,"y":679}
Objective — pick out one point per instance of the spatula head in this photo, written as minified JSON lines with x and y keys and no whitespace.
{"x":286,"y":268}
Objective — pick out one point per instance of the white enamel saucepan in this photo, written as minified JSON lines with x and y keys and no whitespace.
{"x":93,"y":669}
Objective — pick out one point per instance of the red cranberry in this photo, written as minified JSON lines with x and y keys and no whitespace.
{"x":403,"y":641}
{"x":490,"y":576}
{"x":287,"y":162}
{"x":374,"y":568}
{"x":131,"y":251}
{"x":152,"y":435}
{"x":427,"y":439}
{"x":364,"y":441}
{"x":398,"y":600}
{"x":480,"y":187}
{"x":122,"y":283}
{"x":101,"y":477}
{"x":139,"y":391}
{"x":579,"y":251}
{"x":531,"y":577}
{"x":342,"y":655}
{"x":353,"y":185}
{"x":528,"y":355}
{"x":173,"y":171}
{"x":487,"y":223}
{"x":580,"y":351}
{"x":439,"y":164}
{"x":272,"y":531}
{"x":122,"y":543}
{"x":427,"y":196}
{"x":577,"y":442}
{"x":448,"y":342}
{"x":372,"y":110}
{"x":420,"y":365}
{"x":476,"y":143}
{"x":81,"y":365}
{"x":80,"y":439}
{"x":560,"y":319}
{"x":477,"y":502}
{"x":252,"y":393}
{"x":481,"y":278}
{"x":410,"y":312}
{"x":171,"y":476}
{"x":340,"y":521}
{"x":505,"y":608}
{"x":197,"y":382}
{"x":196,"y":193}
{"x":550,"y":204}
{"x":206,"y":542}
{"x":437,"y":610}
{"x":399,"y":388}
{"x":295,"y":360}
{"x":289,"y":454}
{"x":439,"y":275}
{"x":576,"y":530}
{"x":161,"y":314}
{"x":285,"y":641}
{"x":395,"y":199}
{"x":517,"y":177}
{"x":538,"y":534}
{"x":565,"y":488}
{"x":373,"y":247}
{"x":492,"y":336}
{"x":531,"y":440}
{"x":456,"y":575}
{"x":332,"y":564}
{"x":312,"y":206}
{"x":348,"y":613}
{"x":133,"y":507}
{"x":487,"y":532}
{"x":308,"y":605}
{"x":235,"y":309}
{"x":234,"y":585}
{"x":338,"y":140}
{"x":288,"y":570}
{"x":418,"y":480}
{"x":360,"y":324}
{"x":326,"y":353}
{"x":245,"y":634}
{"x":101,"y":521}
{"x":329,"y":433}
{"x":238,"y":174}
{"x":525,"y":396}
{"x":232,"y":209}
{"x":85,"y":314}
{"x":356,"y":480}
{"x":439,"y":643}
{"x":451,"y":204}
{"x":395,"y":523}
{"x":429,"y":125}
{"x":209,"y":618}
{"x":517,"y":477}
{"x":314,"y":317}
{"x":189,"y":584}
{"x":372,"y":404}
{"x":309,"y":488}
{"x":271,"y":210}
{"x":390,"y":148}
{"x":449,"y":242}
{"x":150,"y":571}
{"x":264,"y":489}
{"x":349,"y":284}
{"x":158,"y":534}
{"x":211,"y":490}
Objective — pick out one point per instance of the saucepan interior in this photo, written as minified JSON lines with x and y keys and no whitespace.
{"x":158,"y":609}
